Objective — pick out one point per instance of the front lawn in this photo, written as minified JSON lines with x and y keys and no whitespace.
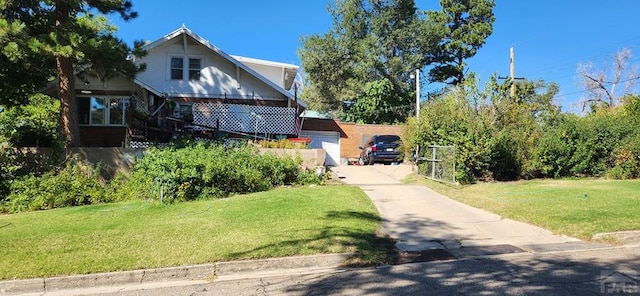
{"x":134,"y":235}
{"x":578,"y":208}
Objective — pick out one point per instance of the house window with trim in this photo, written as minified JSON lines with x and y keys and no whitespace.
{"x":103,"y":111}
{"x":180,"y":70}
{"x":194,"y":68}
{"x":177,"y":68}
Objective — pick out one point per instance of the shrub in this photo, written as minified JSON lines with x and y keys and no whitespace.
{"x":282,"y":144}
{"x":16,"y":163}
{"x":307,"y":176}
{"x":127,"y":187}
{"x":75,"y":184}
{"x":194,"y":171}
{"x":31,"y":124}
{"x":626,"y":160}
{"x":451,"y":120}
{"x":553,"y":156}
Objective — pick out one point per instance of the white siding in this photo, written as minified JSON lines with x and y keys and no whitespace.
{"x":218,"y":75}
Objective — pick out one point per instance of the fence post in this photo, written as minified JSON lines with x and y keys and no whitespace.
{"x":433,"y":162}
{"x":454,"y":164}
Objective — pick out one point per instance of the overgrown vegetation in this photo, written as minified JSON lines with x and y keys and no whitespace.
{"x":499,"y":137}
{"x":74,"y":185}
{"x":177,"y":173}
{"x":282,"y":144}
{"x":27,"y":126}
{"x":202,"y":170}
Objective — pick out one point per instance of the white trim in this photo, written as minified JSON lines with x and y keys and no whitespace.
{"x":149,"y":88}
{"x":185,"y":65}
{"x":265,"y":62}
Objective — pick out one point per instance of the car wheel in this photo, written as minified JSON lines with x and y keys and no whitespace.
{"x":361,"y":160}
{"x":369,"y":159}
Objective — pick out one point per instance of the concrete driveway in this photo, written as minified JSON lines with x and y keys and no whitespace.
{"x":421,"y":219}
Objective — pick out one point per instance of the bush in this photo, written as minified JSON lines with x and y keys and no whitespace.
{"x":16,"y":163}
{"x":504,"y":138}
{"x":451,"y":120}
{"x":127,"y":187}
{"x":195,"y":171}
{"x":554,"y":154}
{"x":76,"y":184}
{"x":626,"y":160}
{"x":31,"y":124}
{"x":282,"y":144}
{"x":26,"y":125}
{"x":600,"y":143}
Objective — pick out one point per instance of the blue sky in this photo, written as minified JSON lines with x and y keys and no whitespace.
{"x":550,"y":38}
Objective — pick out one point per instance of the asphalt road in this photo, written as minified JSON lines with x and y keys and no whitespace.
{"x":586,"y":272}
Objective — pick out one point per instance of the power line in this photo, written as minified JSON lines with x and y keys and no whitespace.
{"x":595,"y":87}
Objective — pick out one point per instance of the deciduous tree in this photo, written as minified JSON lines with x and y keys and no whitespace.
{"x":606,"y":86}
{"x":371,"y":41}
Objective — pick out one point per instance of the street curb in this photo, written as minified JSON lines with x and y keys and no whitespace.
{"x":181,"y":273}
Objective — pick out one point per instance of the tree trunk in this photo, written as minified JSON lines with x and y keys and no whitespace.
{"x":66,"y":85}
{"x":68,"y":109}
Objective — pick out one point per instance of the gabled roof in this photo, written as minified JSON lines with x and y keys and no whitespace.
{"x":213,"y":48}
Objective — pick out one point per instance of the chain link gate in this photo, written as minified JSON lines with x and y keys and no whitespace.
{"x":437,"y":163}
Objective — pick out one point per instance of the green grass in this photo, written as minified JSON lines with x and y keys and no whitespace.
{"x":135,"y":235}
{"x":578,"y":208}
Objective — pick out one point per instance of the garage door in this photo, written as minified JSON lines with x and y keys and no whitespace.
{"x":329,"y":141}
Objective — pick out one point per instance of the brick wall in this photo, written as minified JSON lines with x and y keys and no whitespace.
{"x":356,"y":134}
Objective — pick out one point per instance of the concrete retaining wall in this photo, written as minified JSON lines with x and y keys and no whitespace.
{"x":311,"y":158}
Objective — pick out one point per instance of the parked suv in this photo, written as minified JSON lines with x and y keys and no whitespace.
{"x":381,"y":148}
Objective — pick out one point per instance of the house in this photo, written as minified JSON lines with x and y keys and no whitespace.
{"x":192,"y":86}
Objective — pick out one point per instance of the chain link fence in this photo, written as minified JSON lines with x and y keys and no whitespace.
{"x":437,"y":163}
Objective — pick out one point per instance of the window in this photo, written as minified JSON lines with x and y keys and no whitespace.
{"x":194,"y":69}
{"x":118,"y":111}
{"x":177,"y":68}
{"x":97,"y":111}
{"x":103,"y":111}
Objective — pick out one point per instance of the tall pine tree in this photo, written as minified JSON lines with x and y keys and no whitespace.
{"x":464,"y":26}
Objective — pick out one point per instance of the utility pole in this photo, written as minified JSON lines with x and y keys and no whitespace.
{"x":417,"y":78}
{"x":418,"y":94}
{"x":512,"y":73}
